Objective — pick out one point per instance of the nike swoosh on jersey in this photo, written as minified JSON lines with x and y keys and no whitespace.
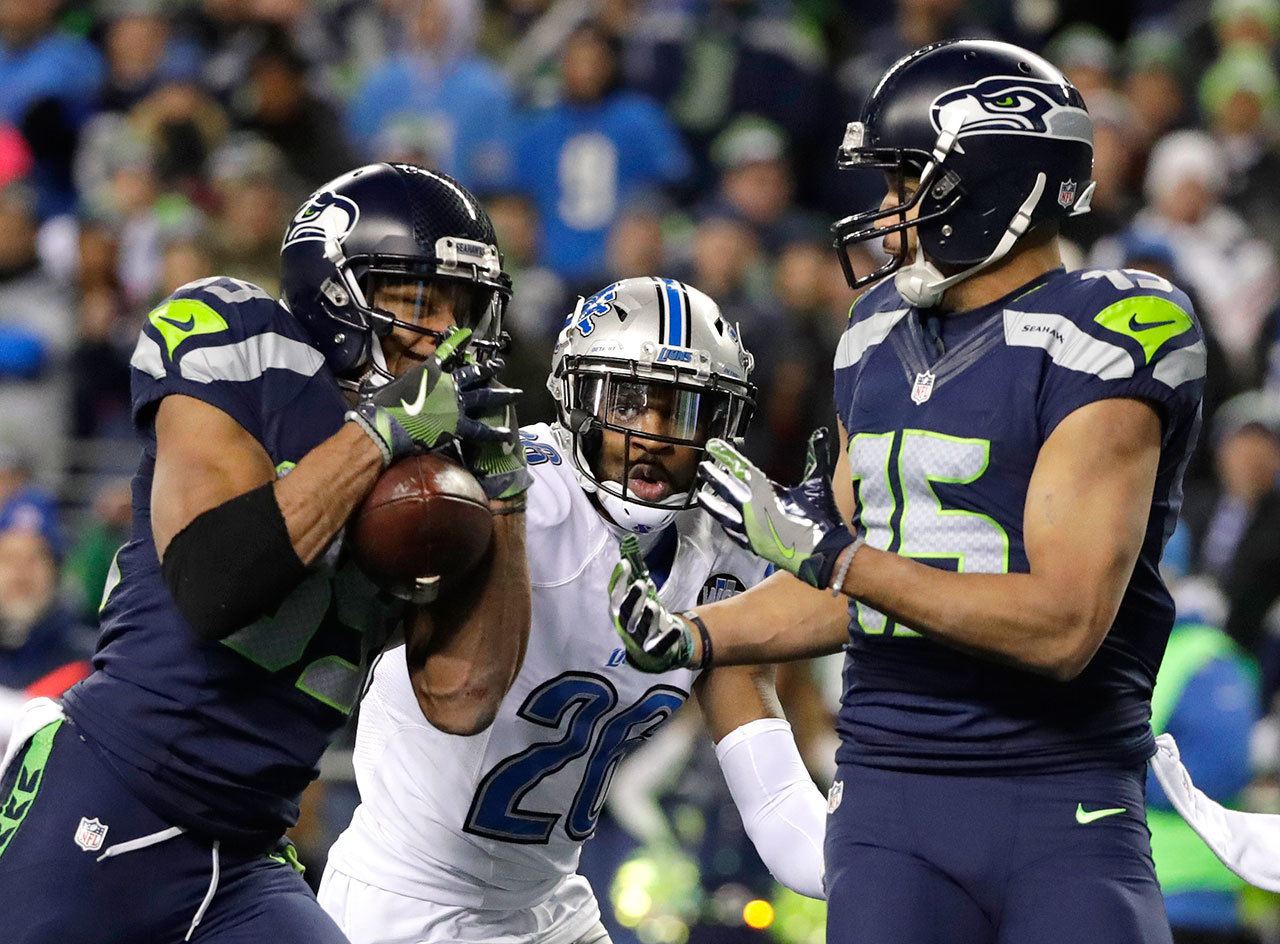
{"x":1084,"y":818}
{"x":1139,"y":326}
{"x":180,"y":325}
{"x":414,"y":408}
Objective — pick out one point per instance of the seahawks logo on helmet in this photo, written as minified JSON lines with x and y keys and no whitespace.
{"x":1006,"y":104}
{"x":325,"y":214}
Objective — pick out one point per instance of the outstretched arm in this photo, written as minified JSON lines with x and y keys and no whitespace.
{"x":1085,"y":516}
{"x":783,"y":811}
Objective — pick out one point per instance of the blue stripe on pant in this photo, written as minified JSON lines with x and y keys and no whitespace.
{"x":147,"y":896}
{"x":917,"y":858}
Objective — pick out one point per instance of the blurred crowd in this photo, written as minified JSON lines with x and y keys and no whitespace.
{"x":148,"y":143}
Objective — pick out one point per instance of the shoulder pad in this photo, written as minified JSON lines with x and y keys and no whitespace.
{"x":221,"y":328}
{"x":551,"y":494}
{"x":881,"y":297}
{"x":1146,"y":314}
{"x":213,"y":306}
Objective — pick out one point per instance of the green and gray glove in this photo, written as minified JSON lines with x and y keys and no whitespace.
{"x":797,"y":529}
{"x":656,"y":639}
{"x":499,"y":465}
{"x":439,"y":401}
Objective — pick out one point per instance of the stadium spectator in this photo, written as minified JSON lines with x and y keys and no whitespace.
{"x":1153,"y":81}
{"x":1240,"y":97}
{"x":726,"y":264}
{"x":91,"y":557}
{"x":709,"y":63}
{"x":636,"y":243}
{"x":755,"y":183}
{"x":1206,"y":696}
{"x":142,"y":52}
{"x":1118,"y":145}
{"x":37,"y":634}
{"x":1253,"y":23}
{"x":803,"y":334}
{"x":585,"y":156}
{"x":39,"y":61}
{"x":441,"y":78}
{"x":50,"y":80}
{"x":1231,"y":270}
{"x":1234,"y":529}
{"x":254,"y":196}
{"x":36,"y":329}
{"x":538,"y":307}
{"x":182,"y":125}
{"x":1088,"y":57}
{"x":278,"y":105}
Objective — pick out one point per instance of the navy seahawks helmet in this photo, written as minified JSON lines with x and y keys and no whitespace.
{"x":388,"y":223}
{"x":1001,"y":143}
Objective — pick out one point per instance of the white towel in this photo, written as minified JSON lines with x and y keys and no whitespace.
{"x":1247,"y":843}
{"x":34,"y":715}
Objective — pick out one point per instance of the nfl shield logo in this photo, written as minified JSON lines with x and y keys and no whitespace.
{"x":834,"y":796}
{"x":1067,"y":193}
{"x":90,"y":834}
{"x":923,"y":388}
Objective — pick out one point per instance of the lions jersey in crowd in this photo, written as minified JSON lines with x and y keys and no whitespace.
{"x":221,"y":737}
{"x":487,"y":828}
{"x":946,"y":415}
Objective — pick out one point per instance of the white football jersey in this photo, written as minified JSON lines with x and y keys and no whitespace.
{"x":495,"y":821}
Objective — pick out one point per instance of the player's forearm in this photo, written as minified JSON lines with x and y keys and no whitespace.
{"x":321,"y":491}
{"x":465,"y":650}
{"x":778,"y":620}
{"x":1036,"y":622}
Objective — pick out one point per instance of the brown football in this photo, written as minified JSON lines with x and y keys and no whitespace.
{"x":427,"y":516}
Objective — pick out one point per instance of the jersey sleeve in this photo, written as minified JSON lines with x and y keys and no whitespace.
{"x":548,"y":497}
{"x":226,"y":343}
{"x":1130,"y":334}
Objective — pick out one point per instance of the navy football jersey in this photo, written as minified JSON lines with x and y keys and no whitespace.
{"x":222,"y":737}
{"x":946,"y":415}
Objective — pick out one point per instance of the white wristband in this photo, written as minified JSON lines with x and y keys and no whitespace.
{"x":842,"y":571}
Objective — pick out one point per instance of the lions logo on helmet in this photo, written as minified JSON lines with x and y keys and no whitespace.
{"x":326,"y":215}
{"x":1006,"y":104}
{"x":651,"y":364}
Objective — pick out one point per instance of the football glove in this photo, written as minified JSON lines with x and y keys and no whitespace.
{"x":499,"y":465}
{"x":656,"y":639}
{"x":797,"y":529}
{"x":437,"y":402}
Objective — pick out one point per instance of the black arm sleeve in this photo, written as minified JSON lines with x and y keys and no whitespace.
{"x":233,"y":564}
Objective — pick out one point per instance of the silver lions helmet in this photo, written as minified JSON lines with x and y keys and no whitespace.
{"x":643,"y":369}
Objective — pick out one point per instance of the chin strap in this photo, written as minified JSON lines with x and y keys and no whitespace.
{"x":922,"y":285}
{"x":634,"y":518}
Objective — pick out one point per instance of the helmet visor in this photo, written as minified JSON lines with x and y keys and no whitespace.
{"x":661,"y":411}
{"x":641,"y":439}
{"x":432,"y":303}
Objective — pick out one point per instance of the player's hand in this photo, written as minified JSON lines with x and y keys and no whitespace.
{"x":437,"y":402}
{"x":796,"y":529}
{"x":500,"y":465}
{"x":656,"y":639}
